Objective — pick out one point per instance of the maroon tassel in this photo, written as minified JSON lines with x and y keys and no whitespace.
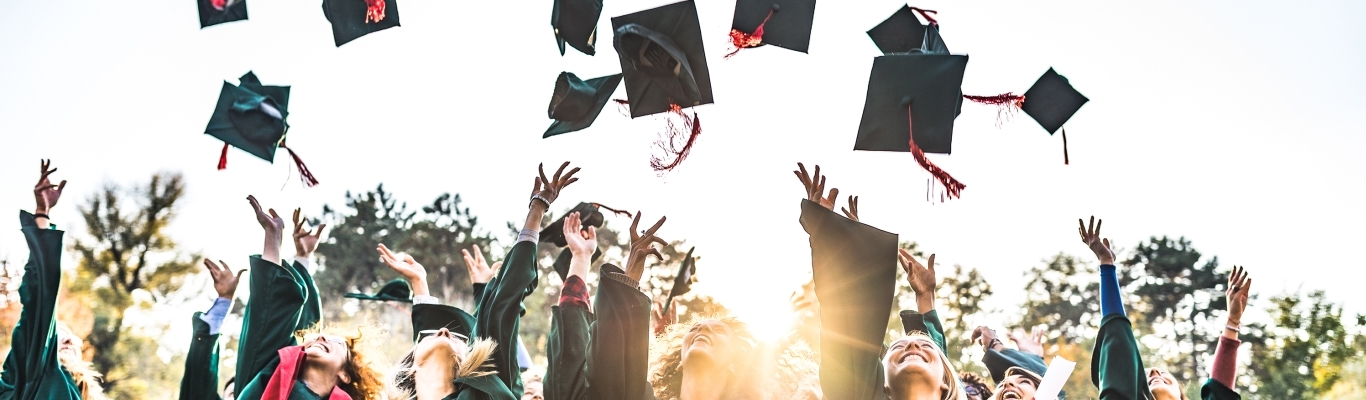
{"x":951,"y":185}
{"x":926,"y":14}
{"x":304,"y":174}
{"x":1006,"y":104}
{"x":613,"y":210}
{"x":740,"y":40}
{"x":1065,"y":161}
{"x":690,"y":127}
{"x":223,"y":158}
{"x":624,"y":107}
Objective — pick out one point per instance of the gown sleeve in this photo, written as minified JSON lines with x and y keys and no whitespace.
{"x":200,"y":381}
{"x":278,"y":296}
{"x":499,"y":313}
{"x":914,"y":321}
{"x":620,"y":347}
{"x":312,"y":311}
{"x":1116,"y":366}
{"x":568,"y":346}
{"x":854,"y":268}
{"x":31,"y":371}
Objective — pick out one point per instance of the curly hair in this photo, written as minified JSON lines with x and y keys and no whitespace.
{"x":476,"y":362}
{"x":365,"y":381}
{"x":973,"y":380}
{"x":777,"y":372}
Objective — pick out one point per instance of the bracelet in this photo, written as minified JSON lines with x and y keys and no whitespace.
{"x":41,"y":215}
{"x":1233,"y":328}
{"x":995,"y":342}
{"x":538,"y":196}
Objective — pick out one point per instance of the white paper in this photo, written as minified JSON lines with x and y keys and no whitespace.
{"x":1058,"y":372}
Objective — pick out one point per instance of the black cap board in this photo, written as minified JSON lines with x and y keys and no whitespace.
{"x":251,"y":116}
{"x":903,"y":32}
{"x":575,"y":22}
{"x":786,"y":23}
{"x":352,"y":19}
{"x":682,"y":281}
{"x":929,"y":84}
{"x":214,"y":12}
{"x":662,"y":58}
{"x":1052,"y":101}
{"x":396,"y":290}
{"x":577,"y":103}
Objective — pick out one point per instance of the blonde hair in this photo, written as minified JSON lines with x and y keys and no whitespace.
{"x":86,"y":378}
{"x":777,"y":372}
{"x":366,"y":382}
{"x":476,"y":362}
{"x":955,"y":391}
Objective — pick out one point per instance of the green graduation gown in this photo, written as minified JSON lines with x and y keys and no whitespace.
{"x":31,"y":370}
{"x":1213,"y":390}
{"x":854,"y":268}
{"x":1116,"y":366}
{"x":603,"y":354}
{"x":280,"y":298}
{"x":201,"y":364}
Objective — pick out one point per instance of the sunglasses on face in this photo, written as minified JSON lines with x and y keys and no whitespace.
{"x":423,"y":334}
{"x":972,"y":391}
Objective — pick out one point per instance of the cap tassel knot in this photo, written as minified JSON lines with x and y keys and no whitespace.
{"x":374,"y":11}
{"x":952,"y":186}
{"x":223,"y":158}
{"x":692,"y":127}
{"x":304,"y":174}
{"x":1065,"y":161}
{"x":926,"y":14}
{"x":219,"y":4}
{"x":1006,"y":104}
{"x":741,"y":40}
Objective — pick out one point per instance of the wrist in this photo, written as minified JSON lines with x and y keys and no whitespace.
{"x":420,"y":287}
{"x":924,"y":304}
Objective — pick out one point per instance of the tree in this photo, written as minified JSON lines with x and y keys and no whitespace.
{"x":959,"y":302}
{"x":1063,"y":295}
{"x":1309,"y":346}
{"x":1177,"y":292}
{"x":127,"y":251}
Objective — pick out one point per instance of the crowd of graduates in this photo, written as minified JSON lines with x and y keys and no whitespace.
{"x":616,"y":343}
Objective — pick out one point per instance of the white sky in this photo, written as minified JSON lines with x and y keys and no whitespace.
{"x":1238,"y":127}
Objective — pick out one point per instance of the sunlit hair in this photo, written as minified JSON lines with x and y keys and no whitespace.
{"x":1179,"y":388}
{"x":477,"y":361}
{"x":778,"y":372}
{"x":86,"y":378}
{"x":955,"y":391}
{"x":366,"y":382}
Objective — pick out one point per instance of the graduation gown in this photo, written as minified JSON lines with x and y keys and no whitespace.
{"x":854,"y":268}
{"x":603,"y":354}
{"x":1116,"y":367}
{"x":277,"y":308}
{"x":31,"y":370}
{"x":1214,"y":390}
{"x":201,"y":364}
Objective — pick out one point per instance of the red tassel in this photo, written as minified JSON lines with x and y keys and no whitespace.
{"x":374,"y":10}
{"x":623,"y":106}
{"x":1065,"y":161}
{"x":1006,"y":104}
{"x":952,"y":186}
{"x":741,"y":40}
{"x":613,"y":210}
{"x":304,"y":174}
{"x":219,"y":4}
{"x":691,"y":127}
{"x":223,"y":158}
{"x":926,"y":14}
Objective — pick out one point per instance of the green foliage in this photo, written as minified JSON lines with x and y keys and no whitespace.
{"x":959,"y":301}
{"x":1306,"y":350}
{"x":1063,"y":295}
{"x":127,"y":250}
{"x":1182,"y":295}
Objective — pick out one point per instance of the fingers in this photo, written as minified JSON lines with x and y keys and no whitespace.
{"x":591,"y":234}
{"x":1098,"y":224}
{"x":834,"y":194}
{"x":496,"y":266}
{"x":469,"y":261}
{"x":1107,"y":243}
{"x":931,"y":263}
{"x":655,"y":252}
{"x":384,"y":251}
{"x":659,"y":241}
{"x":318,"y":232}
{"x":255,"y":205}
{"x":1247,"y":288}
{"x":298,"y":225}
{"x":478,"y":255}
{"x":560,"y":171}
{"x":61,"y":186}
{"x":544,"y":180}
{"x":1091,"y":227}
{"x":655,"y":228}
{"x":571,"y":224}
{"x":239,"y":274}
{"x":274,"y":215}
{"x":634,"y":223}
{"x":905,"y":258}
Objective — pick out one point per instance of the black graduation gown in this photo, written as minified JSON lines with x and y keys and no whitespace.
{"x":1116,"y":366}
{"x":201,"y":364}
{"x":31,"y":370}
{"x":602,"y":354}
{"x":854,"y":268}
{"x":1213,"y":390}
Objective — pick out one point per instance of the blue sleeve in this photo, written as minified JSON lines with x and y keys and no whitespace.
{"x":1110,"y":299}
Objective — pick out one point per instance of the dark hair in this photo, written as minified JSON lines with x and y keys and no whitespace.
{"x":976,"y":382}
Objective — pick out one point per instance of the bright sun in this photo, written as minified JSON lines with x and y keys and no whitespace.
{"x":768,"y":322}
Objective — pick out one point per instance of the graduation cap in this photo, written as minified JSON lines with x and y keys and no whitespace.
{"x":396,"y":290}
{"x":576,"y":103}
{"x":252,"y":117}
{"x":682,"y":281}
{"x":902,"y":33}
{"x":782,"y":23}
{"x":1051,"y":102}
{"x":214,"y":12}
{"x":352,"y":19}
{"x":589,"y":215}
{"x":576,"y":23}
{"x":911,"y":104}
{"x":662,"y":59}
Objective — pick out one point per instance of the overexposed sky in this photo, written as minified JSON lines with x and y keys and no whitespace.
{"x":1238,"y":127}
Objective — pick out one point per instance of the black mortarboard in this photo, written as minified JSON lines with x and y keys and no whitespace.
{"x":577,"y":103}
{"x":251,"y":117}
{"x":576,"y":23}
{"x":682,"y":281}
{"x":784,"y":23}
{"x":214,"y":12}
{"x":903,"y":32}
{"x":662,"y":58}
{"x":588,"y":216}
{"x":429,"y":316}
{"x":1052,"y":101}
{"x":396,"y":290}
{"x":352,"y":19}
{"x":930,"y":85}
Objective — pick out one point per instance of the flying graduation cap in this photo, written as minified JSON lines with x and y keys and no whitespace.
{"x":214,"y":12}
{"x":782,"y":23}
{"x":577,"y":103}
{"x":912,"y":101}
{"x":682,"y":281}
{"x":902,"y":32}
{"x":252,"y":117}
{"x":352,"y":19}
{"x":395,"y":290}
{"x":664,"y":66}
{"x":576,"y":23}
{"x":589,"y":215}
{"x":1051,"y":102}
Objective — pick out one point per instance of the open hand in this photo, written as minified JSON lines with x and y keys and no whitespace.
{"x":45,"y":194}
{"x":642,"y":247}
{"x":581,"y":242}
{"x":224,"y":280}
{"x":405,"y":265}
{"x":920,"y":276}
{"x":271,"y":221}
{"x":661,"y":318}
{"x":987,"y":338}
{"x":549,"y":189}
{"x":1239,"y":285}
{"x":480,"y":272}
{"x":305,"y":243}
{"x":1031,"y":343}
{"x":851,"y":212}
{"x":815,"y":187}
{"x":1090,"y":234}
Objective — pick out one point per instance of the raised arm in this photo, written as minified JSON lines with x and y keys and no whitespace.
{"x":571,"y":319}
{"x":278,"y":295}
{"x":1116,"y":366}
{"x":924,"y":282}
{"x":200,"y":381}
{"x":1225,"y":369}
{"x":480,"y":271}
{"x":621,"y":335}
{"x":305,"y":244}
{"x":33,"y":355}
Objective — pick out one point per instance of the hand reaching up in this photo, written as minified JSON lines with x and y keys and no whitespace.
{"x":987,"y":338}
{"x":921,"y":278}
{"x":851,"y":212}
{"x":815,"y":187}
{"x":404,"y":265}
{"x":661,"y":318}
{"x":1090,"y":234}
{"x":45,"y":194}
{"x":1033,"y":343}
{"x":547,"y":190}
{"x":642,"y":247}
{"x":581,"y":243}
{"x":1239,"y":285}
{"x":274,"y":227}
{"x":224,"y":280}
{"x":480,"y":272}
{"x":305,"y":243}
